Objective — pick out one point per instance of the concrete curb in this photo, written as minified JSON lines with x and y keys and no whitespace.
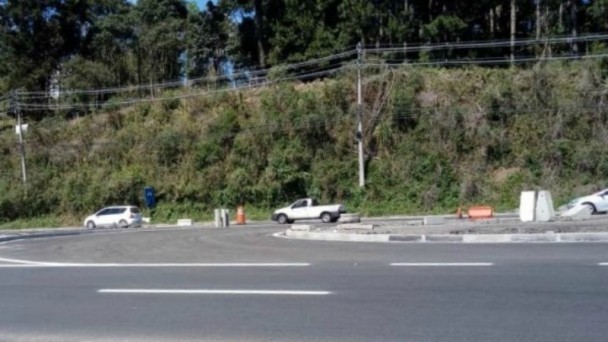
{"x":449,"y":238}
{"x":6,"y":238}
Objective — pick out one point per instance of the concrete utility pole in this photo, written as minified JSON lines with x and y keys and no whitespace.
{"x":359,"y":115}
{"x":17,"y":111}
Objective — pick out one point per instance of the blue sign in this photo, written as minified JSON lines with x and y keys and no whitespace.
{"x":150,"y":197}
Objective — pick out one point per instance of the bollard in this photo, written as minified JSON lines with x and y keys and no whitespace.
{"x":225,"y":218}
{"x":218,"y":218}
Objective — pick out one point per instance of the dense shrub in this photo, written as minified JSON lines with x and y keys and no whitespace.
{"x":435,"y":139}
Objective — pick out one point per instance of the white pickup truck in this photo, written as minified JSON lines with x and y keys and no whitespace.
{"x":308,"y":208}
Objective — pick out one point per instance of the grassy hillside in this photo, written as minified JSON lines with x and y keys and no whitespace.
{"x":435,"y":139}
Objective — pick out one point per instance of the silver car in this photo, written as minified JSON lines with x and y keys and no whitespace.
{"x":118,"y":216}
{"x":597,"y":201}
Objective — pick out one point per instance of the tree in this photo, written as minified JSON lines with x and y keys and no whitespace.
{"x":32,"y":35}
{"x":160,"y":30}
{"x":207,"y":39}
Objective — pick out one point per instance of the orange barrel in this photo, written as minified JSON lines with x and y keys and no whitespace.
{"x":240,"y":215}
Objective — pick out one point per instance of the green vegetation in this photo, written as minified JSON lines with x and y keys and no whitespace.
{"x":435,"y":139}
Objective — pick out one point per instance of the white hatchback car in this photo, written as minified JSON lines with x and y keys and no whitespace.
{"x":598,"y":201}
{"x":119,"y":216}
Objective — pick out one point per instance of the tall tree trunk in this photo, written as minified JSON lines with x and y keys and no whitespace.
{"x":513,"y":23}
{"x":380,"y":31}
{"x":259,"y":31}
{"x":547,"y":51}
{"x":560,"y":15}
{"x":574,"y":23}
{"x":492,"y":23}
{"x":538,"y":19}
{"x":538,"y":25}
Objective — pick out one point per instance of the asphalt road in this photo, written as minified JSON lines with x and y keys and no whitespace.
{"x":241,"y":284}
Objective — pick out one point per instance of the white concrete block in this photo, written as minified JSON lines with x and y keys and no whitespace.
{"x":544,"y":207}
{"x":578,"y":213}
{"x":527,"y":208}
{"x":184,"y":222}
{"x":145,"y":219}
{"x":217,"y":218}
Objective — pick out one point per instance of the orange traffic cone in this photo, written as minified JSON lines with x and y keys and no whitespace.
{"x":240,"y":215}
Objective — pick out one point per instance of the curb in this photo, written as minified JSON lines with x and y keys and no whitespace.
{"x":449,"y":238}
{"x":6,"y":238}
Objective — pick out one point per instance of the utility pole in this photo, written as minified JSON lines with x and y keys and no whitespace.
{"x":359,"y":115}
{"x":17,"y":112}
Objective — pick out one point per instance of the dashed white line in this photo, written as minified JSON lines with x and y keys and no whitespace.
{"x":442,"y":264}
{"x":216,"y":292}
{"x":602,"y":264}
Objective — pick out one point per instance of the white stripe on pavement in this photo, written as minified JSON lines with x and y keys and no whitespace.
{"x":17,"y":261}
{"x":442,"y":264}
{"x":219,"y":292}
{"x":603,"y":264}
{"x":118,"y":265}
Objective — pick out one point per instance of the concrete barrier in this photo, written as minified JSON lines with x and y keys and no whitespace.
{"x":578,"y":213}
{"x":527,"y":201}
{"x":544,"y":207}
{"x":184,"y":222}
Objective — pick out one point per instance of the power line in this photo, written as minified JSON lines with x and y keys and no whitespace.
{"x":36,"y":107}
{"x":180,"y":83}
{"x":501,"y":60}
{"x":338,"y":67}
{"x":485,"y":44}
{"x":341,"y":55}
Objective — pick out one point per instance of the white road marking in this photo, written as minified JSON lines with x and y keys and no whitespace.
{"x":17,"y":261}
{"x":142,"y":265}
{"x":218,"y":292}
{"x":603,"y":264}
{"x":442,"y":264}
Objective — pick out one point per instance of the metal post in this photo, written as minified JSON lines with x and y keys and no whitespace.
{"x":17,"y":111}
{"x":359,"y":115}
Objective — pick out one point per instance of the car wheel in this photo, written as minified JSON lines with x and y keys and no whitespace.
{"x":123,"y":224}
{"x":282,"y":219}
{"x":326,"y":217}
{"x":593,"y":209}
{"x":90,"y":225}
